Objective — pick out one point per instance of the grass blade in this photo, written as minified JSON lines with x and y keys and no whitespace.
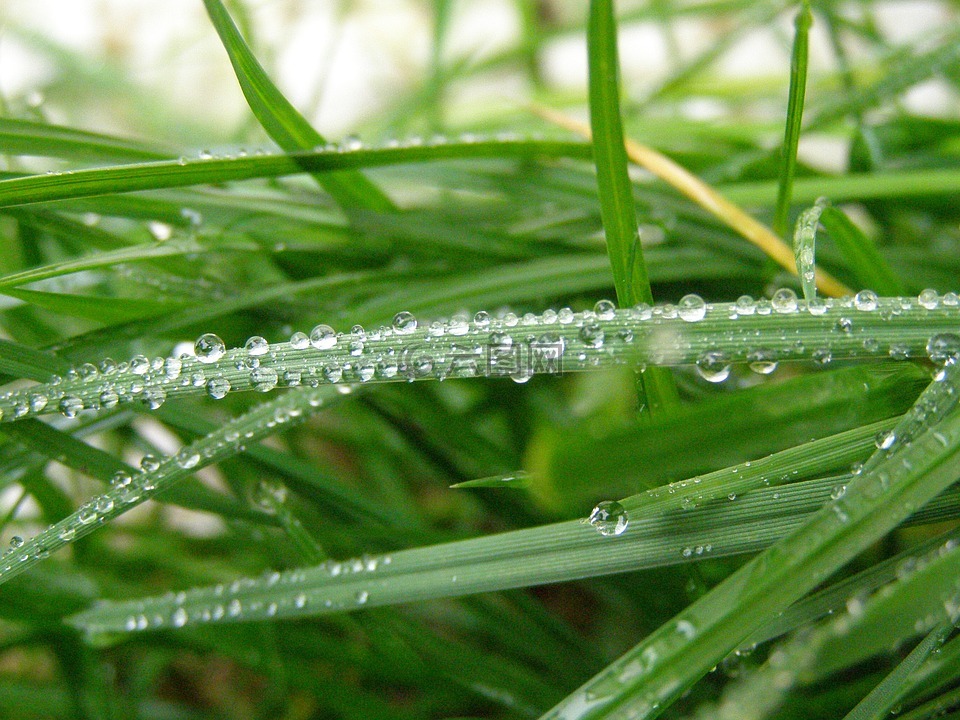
{"x":656,"y":391}
{"x":791,"y":137}
{"x":283,"y":123}
{"x":861,"y":253}
{"x":651,"y":676}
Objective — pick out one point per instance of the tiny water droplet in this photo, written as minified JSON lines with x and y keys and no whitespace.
{"x":16,"y":542}
{"x":149,"y":463}
{"x":609,"y":518}
{"x":209,"y":348}
{"x":362,"y":597}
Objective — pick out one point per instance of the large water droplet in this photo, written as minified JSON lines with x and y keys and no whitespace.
{"x":929,"y":299}
{"x":865,"y":300}
{"x":16,"y":542}
{"x":943,"y":348}
{"x":592,"y":335}
{"x":70,"y":406}
{"x":256,"y":346}
{"x":209,"y":348}
{"x":605,"y":309}
{"x":784,"y":301}
{"x":323,"y":337}
{"x":404,"y":323}
{"x":218,"y":387}
{"x":713,"y":366}
{"x":609,"y":518}
{"x":691,"y":308}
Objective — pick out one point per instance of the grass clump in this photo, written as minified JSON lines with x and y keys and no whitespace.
{"x":240,"y":385}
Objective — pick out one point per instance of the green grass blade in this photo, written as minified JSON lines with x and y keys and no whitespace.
{"x":651,"y":676}
{"x":253,"y":425}
{"x":883,"y":697}
{"x":25,"y":137}
{"x":791,"y":137}
{"x":546,"y":554}
{"x":656,"y":390}
{"x":578,"y":342}
{"x":805,"y":249}
{"x":860,"y":253}
{"x":183,"y":172}
{"x":288,"y":128}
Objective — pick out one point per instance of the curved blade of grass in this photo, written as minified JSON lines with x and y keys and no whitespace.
{"x":183,"y":172}
{"x":94,"y":462}
{"x":288,"y":128}
{"x":861,"y":253}
{"x":791,"y":135}
{"x":651,"y":676}
{"x":656,"y":390}
{"x":805,"y":248}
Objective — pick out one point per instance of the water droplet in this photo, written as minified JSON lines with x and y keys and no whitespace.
{"x":592,"y":335}
{"x":264,"y":379}
{"x":687,"y":629}
{"x":37,"y":402}
{"x":929,"y":299}
{"x":784,"y":301}
{"x":67,"y":534}
{"x":187,"y":458}
{"x":104,"y":505}
{"x":209,"y":348}
{"x":178,"y":618}
{"x":218,"y":387}
{"x":713,"y":366}
{"x":149,"y":463}
{"x":299,"y":341}
{"x":70,"y":406}
{"x":16,"y":542}
{"x":256,"y":346}
{"x":691,"y":308}
{"x":745,"y":305}
{"x":300,"y":600}
{"x":482,"y":320}
{"x":605,"y":310}
{"x":943,"y":349}
{"x":323,"y":337}
{"x":404,"y":323}
{"x":885,"y":439}
{"x":865,"y":300}
{"x":121,"y":478}
{"x":362,"y":597}
{"x":609,"y":518}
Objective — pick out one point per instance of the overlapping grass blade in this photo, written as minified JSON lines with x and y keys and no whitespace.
{"x":288,"y":128}
{"x":655,"y":673}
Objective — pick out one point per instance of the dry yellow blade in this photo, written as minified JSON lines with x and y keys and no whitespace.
{"x":707,"y":198}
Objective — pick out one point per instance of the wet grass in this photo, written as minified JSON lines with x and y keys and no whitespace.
{"x":247,"y":512}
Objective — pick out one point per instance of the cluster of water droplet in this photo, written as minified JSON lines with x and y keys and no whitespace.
{"x":329,"y":587}
{"x":709,"y":336}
